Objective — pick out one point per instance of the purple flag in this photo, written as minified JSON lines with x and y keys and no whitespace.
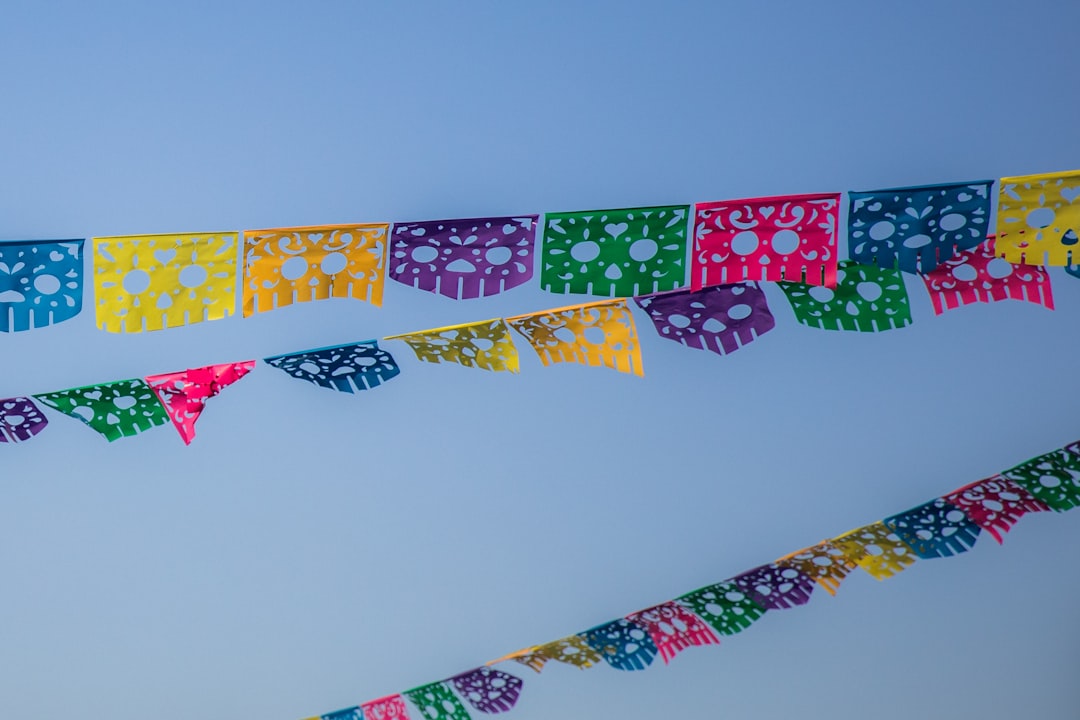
{"x":464,"y":259}
{"x":720,"y":319}
{"x":20,"y":419}
{"x":488,"y":690}
{"x":776,"y":587}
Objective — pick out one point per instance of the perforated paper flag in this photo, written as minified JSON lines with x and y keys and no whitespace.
{"x":790,"y":238}
{"x":615,"y":252}
{"x":673,"y":628}
{"x":876,"y":549}
{"x":464,"y":259}
{"x":995,"y":504}
{"x":352,"y":713}
{"x":865,"y":299}
{"x":978,"y":275}
{"x":283,"y":266}
{"x":41,"y":283}
{"x":914,"y":229}
{"x":1038,"y":219}
{"x":569,"y":650}
{"x":934,"y":529}
{"x":724,"y":606}
{"x":720,"y":319}
{"x":623,"y":644}
{"x":391,"y":707}
{"x":486,"y":345}
{"x":184,"y":394}
{"x":775,"y":587}
{"x":489,"y":690}
{"x":356,"y":366}
{"x":20,"y":419}
{"x":437,"y":702}
{"x":824,"y":562}
{"x":600,"y":334}
{"x":152,"y":282}
{"x":117,"y":409}
{"x":1053,"y":478}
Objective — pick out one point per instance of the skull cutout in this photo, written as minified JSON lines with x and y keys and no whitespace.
{"x":1053,"y":478}
{"x":775,"y":587}
{"x":599,"y":334}
{"x":20,"y":419}
{"x":673,"y":628}
{"x":724,"y":606}
{"x":41,"y":283}
{"x":824,"y":562}
{"x":489,"y":690}
{"x":978,"y":275}
{"x":995,"y":504}
{"x":935,"y":529}
{"x":623,"y":644}
{"x":464,"y":259}
{"x":876,"y":549}
{"x":865,"y":299}
{"x":777,"y":239}
{"x":345,"y":368}
{"x":118,"y":409}
{"x":720,"y":319}
{"x":915,"y":229}
{"x":486,"y":345}
{"x":437,"y":702}
{"x":1039,"y":219}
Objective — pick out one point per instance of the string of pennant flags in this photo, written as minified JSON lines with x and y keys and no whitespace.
{"x":942,"y":527}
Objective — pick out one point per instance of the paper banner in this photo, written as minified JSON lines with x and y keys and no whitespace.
{"x":995,"y":504}
{"x":20,"y":419}
{"x":569,"y":650}
{"x":824,"y":563}
{"x":935,"y":529}
{"x":978,"y":275}
{"x":720,"y":319}
{"x":152,"y":282}
{"x":352,"y":713}
{"x":724,"y":606}
{"x":486,"y":345}
{"x":1039,"y":219}
{"x":464,"y":259}
{"x":489,"y":690}
{"x":623,"y":644}
{"x":615,"y":252}
{"x":283,"y":266}
{"x":391,"y":707}
{"x":600,"y":334}
{"x":1053,"y":478}
{"x":41,"y":283}
{"x":775,"y":587}
{"x":673,"y":628}
{"x":790,"y":238}
{"x":184,"y":394}
{"x":915,"y":229}
{"x":437,"y":702}
{"x":865,"y":299}
{"x":356,"y":366}
{"x":876,"y":549}
{"x":117,"y":409}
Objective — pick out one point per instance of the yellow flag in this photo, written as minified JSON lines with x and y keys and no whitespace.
{"x":824,"y":562}
{"x":486,"y":345}
{"x":1038,"y":220}
{"x":571,"y":650}
{"x":598,"y":334}
{"x":151,"y":282}
{"x":302,"y":264}
{"x":876,"y":549}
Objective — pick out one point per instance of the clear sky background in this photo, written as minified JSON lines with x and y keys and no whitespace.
{"x":312,"y":550}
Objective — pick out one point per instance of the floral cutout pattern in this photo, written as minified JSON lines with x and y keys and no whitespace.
{"x":118,"y":409}
{"x":153,"y":282}
{"x":724,"y":606}
{"x":345,"y":368}
{"x":777,"y":239}
{"x":283,"y":266}
{"x":623,"y":644}
{"x":615,"y":252}
{"x":437,"y":702}
{"x":865,"y":299}
{"x":978,"y":275}
{"x":569,"y":650}
{"x":824,"y":563}
{"x":464,"y":259}
{"x":915,"y":229}
{"x":600,"y":334}
{"x":489,"y":690}
{"x":776,"y":587}
{"x":184,"y":394}
{"x":391,"y":707}
{"x":720,"y":319}
{"x":486,"y":345}
{"x":41,"y":283}
{"x":20,"y":419}
{"x":935,"y":529}
{"x":995,"y":504}
{"x":876,"y":549}
{"x":1053,"y":478}
{"x":1039,"y":219}
{"x":673,"y":628}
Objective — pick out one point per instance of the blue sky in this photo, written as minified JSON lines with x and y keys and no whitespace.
{"x":312,"y":550}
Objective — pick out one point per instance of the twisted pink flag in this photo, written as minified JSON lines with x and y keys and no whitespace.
{"x":184,"y":394}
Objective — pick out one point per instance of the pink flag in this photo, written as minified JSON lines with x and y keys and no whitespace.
{"x":977,"y":275}
{"x":673,"y":628}
{"x":995,"y":504}
{"x":184,"y":394}
{"x":391,"y":707}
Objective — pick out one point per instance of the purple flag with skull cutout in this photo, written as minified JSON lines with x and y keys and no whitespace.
{"x":464,"y":259}
{"x":20,"y":419}
{"x":720,"y":319}
{"x":488,"y":690}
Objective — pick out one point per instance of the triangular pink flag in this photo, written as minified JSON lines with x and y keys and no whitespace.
{"x":184,"y":394}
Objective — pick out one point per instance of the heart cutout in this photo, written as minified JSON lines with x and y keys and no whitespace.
{"x":164,"y":256}
{"x":1070,"y":194}
{"x":767,"y":211}
{"x":616,"y":229}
